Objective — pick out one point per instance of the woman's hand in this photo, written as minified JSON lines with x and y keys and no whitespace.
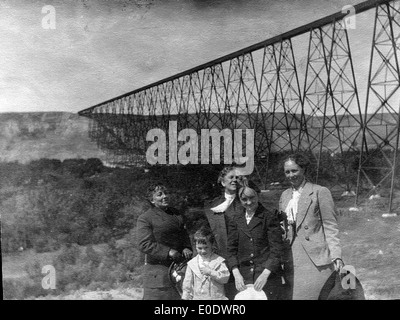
{"x":239,"y":281}
{"x":338,"y":263}
{"x":175,"y":255}
{"x":261,"y":280}
{"x":187,"y":253}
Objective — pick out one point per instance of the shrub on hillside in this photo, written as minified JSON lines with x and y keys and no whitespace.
{"x":19,"y":289}
{"x":91,"y":256}
{"x":13,"y":289}
{"x":34,"y":287}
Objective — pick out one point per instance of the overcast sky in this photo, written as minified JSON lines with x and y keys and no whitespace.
{"x":102,"y":49}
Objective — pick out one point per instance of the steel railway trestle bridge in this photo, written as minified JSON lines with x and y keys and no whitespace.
{"x":318,"y":110}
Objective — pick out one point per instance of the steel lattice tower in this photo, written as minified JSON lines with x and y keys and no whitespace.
{"x":382,"y":108}
{"x":329,"y":93}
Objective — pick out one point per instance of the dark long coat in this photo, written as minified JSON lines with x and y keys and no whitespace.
{"x":257,"y":246}
{"x":218,"y":223}
{"x":159,"y":231}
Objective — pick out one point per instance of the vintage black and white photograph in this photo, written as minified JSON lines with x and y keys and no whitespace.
{"x":200,"y":150}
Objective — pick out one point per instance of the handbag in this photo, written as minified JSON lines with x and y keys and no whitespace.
{"x":336,"y":288}
{"x":176,"y":273}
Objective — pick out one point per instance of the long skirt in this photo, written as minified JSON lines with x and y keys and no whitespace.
{"x":156,"y":283}
{"x":305,"y":279}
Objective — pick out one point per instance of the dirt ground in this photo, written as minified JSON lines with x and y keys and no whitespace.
{"x":114,"y":294}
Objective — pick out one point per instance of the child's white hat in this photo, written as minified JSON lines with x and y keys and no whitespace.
{"x":251,"y":294}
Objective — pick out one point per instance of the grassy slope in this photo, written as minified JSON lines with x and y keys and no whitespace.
{"x":370,"y":243}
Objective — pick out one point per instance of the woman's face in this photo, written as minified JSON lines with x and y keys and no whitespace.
{"x":249,"y":199}
{"x":294,"y":173}
{"x":204,"y":249}
{"x":160,"y":198}
{"x":229,"y":182}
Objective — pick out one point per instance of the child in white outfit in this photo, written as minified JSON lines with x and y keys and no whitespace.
{"x":207,"y":272}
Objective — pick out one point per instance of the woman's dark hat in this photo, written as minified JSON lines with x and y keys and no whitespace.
{"x":338,"y":287}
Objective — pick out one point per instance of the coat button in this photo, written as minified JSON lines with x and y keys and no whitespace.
{"x":251,"y":255}
{"x":251,"y":262}
{"x":306,"y":227}
{"x":307,"y":238}
{"x":251,"y":239}
{"x":251,"y":270}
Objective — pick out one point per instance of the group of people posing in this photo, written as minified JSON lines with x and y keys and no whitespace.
{"x":280,"y":253}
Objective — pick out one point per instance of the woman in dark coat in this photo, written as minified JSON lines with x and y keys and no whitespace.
{"x":162,"y":237}
{"x":225,"y":205}
{"x":255,"y":246}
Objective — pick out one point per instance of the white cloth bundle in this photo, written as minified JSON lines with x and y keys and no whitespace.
{"x":251,"y":294}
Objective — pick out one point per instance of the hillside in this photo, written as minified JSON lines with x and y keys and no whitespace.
{"x":56,"y":135}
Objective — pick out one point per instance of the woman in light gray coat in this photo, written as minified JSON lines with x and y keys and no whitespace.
{"x":312,"y":245}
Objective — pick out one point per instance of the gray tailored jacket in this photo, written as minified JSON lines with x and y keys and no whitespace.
{"x":316,"y":223}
